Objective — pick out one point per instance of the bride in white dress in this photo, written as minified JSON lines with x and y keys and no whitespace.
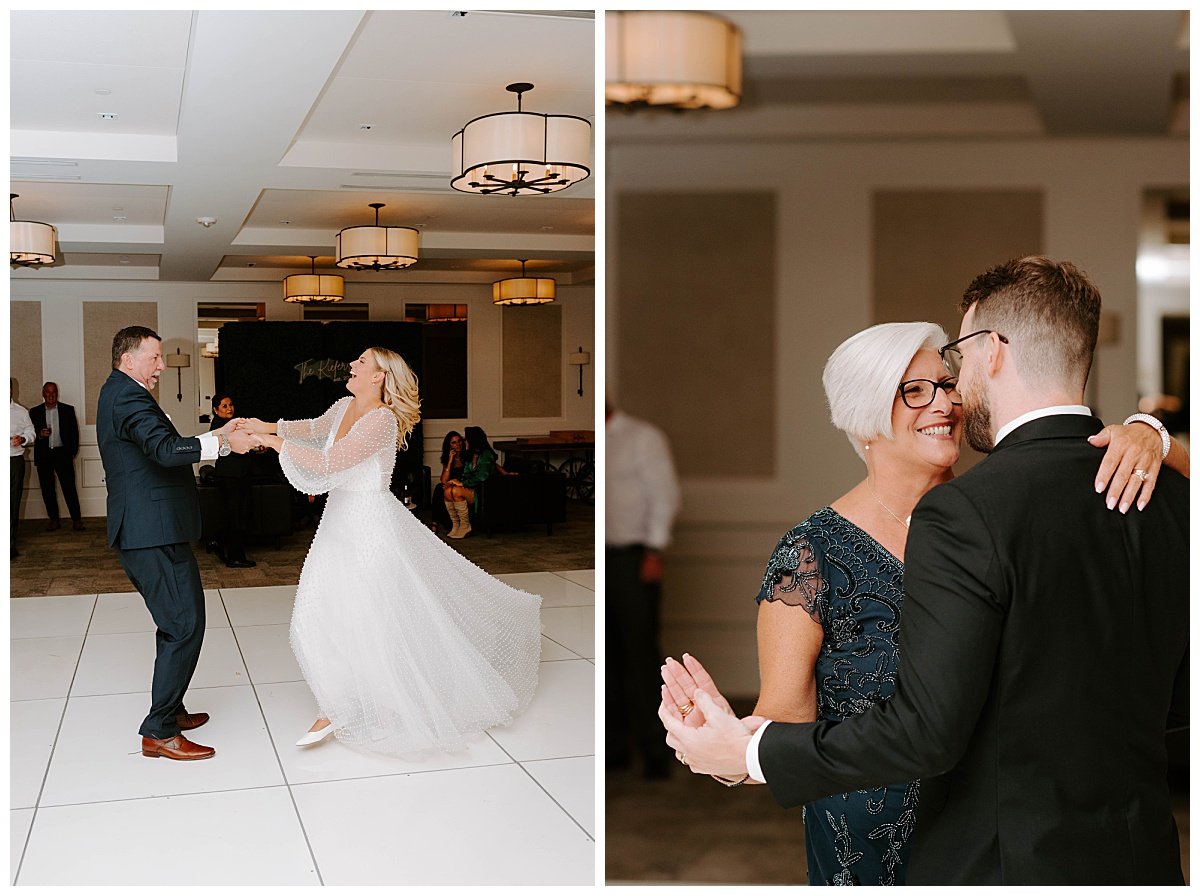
{"x":406,"y":645}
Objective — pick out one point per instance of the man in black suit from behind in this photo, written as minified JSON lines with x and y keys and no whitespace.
{"x":153,"y":514}
{"x":54,"y":452}
{"x":1044,"y":639}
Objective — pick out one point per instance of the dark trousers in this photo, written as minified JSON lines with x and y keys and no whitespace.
{"x":235,"y":515}
{"x":62,"y":465}
{"x":169,"y":581}
{"x":632,"y":661}
{"x":16,"y":485}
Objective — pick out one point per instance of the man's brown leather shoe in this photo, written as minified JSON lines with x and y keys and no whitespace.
{"x":189,"y":720}
{"x":177,"y":747}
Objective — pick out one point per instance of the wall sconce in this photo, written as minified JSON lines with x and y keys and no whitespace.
{"x":178,"y":361}
{"x":580,"y":359}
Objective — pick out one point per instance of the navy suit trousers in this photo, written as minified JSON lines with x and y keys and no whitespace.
{"x":169,"y":581}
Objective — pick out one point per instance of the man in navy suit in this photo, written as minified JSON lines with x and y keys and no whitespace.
{"x":153,"y":514}
{"x":54,"y":452}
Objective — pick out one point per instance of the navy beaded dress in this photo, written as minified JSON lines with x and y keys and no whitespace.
{"x":853,"y":587}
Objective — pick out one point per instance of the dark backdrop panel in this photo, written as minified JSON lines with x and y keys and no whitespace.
{"x":444,"y":386}
{"x":262,"y":362}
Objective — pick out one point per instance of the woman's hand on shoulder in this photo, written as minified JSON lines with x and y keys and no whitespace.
{"x":1129,"y":469}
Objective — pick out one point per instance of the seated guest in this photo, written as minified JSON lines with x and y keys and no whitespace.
{"x":480,"y":464}
{"x":232,"y":477}
{"x":452,"y":466}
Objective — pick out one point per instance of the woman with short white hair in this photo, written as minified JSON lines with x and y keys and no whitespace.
{"x":830,"y":601}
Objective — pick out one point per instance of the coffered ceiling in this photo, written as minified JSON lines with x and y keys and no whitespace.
{"x":126,"y":127}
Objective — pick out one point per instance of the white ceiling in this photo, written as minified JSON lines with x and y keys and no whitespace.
{"x":945,"y":74}
{"x":256,"y":119}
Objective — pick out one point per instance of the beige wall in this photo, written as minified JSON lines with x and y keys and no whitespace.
{"x":1091,"y":194}
{"x":63,"y":339}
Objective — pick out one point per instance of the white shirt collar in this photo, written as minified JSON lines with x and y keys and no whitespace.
{"x":1008,"y":427}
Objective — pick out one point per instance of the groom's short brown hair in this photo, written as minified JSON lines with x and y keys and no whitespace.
{"x":1049,"y":311}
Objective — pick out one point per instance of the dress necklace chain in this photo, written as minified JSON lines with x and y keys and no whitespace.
{"x":904,"y":523}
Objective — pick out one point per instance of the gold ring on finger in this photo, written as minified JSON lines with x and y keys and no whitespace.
{"x":685,"y":709}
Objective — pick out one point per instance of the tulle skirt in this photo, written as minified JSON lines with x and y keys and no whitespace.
{"x":407,"y":646}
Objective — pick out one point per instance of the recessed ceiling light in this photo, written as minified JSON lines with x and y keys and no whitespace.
{"x":365,"y":127}
{"x":102,"y":92}
{"x":107,"y":116}
{"x":120,"y":218}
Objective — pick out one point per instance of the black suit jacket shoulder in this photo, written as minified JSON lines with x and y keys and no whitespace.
{"x":1044,"y":644}
{"x":147,"y":468}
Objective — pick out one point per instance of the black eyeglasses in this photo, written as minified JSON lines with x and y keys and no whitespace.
{"x":951,"y":356}
{"x":920,"y":393}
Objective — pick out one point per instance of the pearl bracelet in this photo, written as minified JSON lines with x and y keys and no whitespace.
{"x":1153,"y":421}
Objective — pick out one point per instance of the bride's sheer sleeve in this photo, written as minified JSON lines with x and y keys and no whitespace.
{"x":316,"y":470}
{"x":313,"y":432}
{"x":794,"y":577}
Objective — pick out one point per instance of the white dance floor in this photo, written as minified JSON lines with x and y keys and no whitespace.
{"x":517,"y":807}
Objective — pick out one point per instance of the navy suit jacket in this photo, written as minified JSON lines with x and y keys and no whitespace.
{"x":1043,"y":657}
{"x":68,"y":432}
{"x":152,"y":496}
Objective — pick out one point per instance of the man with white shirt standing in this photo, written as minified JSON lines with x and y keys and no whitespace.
{"x":54,"y":452}
{"x":153,"y":514}
{"x":641,"y":499}
{"x":1044,"y":639}
{"x":20,"y":437}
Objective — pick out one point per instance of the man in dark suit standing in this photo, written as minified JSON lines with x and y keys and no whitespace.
{"x":1044,"y":639}
{"x":153,"y":512}
{"x":54,"y":452}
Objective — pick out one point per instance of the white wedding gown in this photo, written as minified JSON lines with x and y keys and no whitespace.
{"x":406,"y":645}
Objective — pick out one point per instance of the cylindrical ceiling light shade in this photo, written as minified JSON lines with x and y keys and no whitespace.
{"x":30,"y":243}
{"x":683,"y":60}
{"x":523,"y":290}
{"x":314,"y":287}
{"x":521,"y":152}
{"x":377,"y":248}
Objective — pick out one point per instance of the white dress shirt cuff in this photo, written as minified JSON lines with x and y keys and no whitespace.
{"x":752,"y":766}
{"x":209,"y":445}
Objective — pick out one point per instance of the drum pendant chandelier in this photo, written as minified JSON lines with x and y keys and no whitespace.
{"x":314,"y":287}
{"x":376,"y":248}
{"x":520,"y":152}
{"x":672,"y":59}
{"x":30,"y":243}
{"x":523,"y":290}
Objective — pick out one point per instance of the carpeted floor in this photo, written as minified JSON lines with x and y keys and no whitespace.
{"x":69,"y":562}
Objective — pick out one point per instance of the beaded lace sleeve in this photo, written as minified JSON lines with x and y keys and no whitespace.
{"x":313,"y":432}
{"x":316,"y":470}
{"x":794,"y":577}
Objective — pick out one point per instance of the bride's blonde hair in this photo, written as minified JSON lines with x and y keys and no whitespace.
{"x":399,"y":394}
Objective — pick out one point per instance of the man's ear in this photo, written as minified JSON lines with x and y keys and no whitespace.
{"x":995,"y":355}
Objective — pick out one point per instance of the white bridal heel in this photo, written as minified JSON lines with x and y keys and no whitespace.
{"x":315,"y":737}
